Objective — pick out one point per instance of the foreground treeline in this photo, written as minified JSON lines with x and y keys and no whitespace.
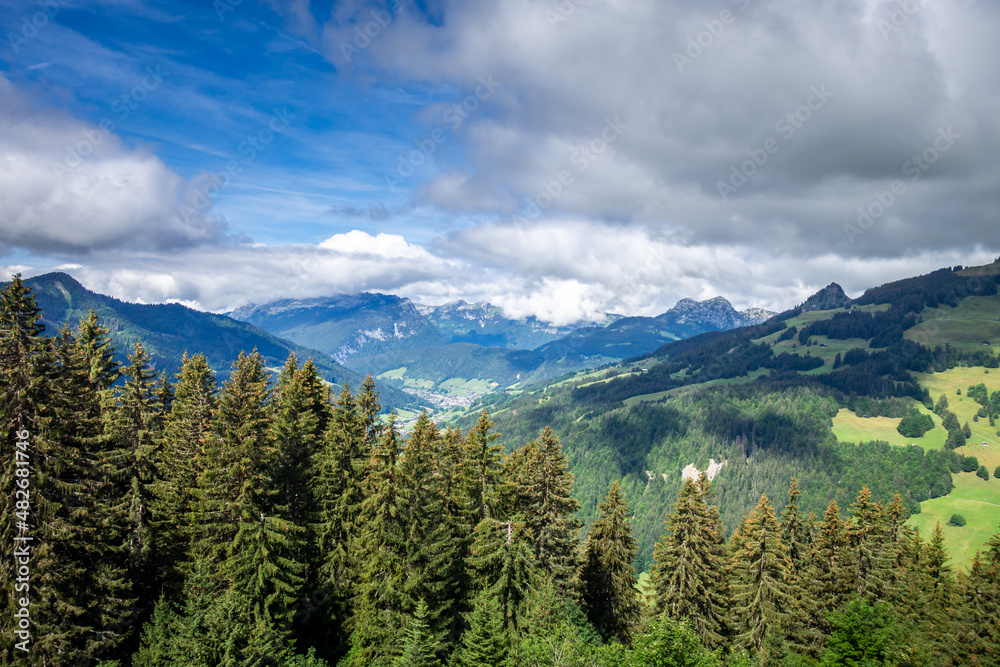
{"x":263,"y":522}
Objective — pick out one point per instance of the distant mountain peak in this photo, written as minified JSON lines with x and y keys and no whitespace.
{"x":830,"y":297}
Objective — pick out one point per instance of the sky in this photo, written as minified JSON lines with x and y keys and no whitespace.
{"x":558,"y":158}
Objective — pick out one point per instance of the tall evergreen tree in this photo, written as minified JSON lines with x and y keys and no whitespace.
{"x":381,"y":550}
{"x":25,"y":396}
{"x":419,"y":646}
{"x":434,"y":540}
{"x":539,"y":486}
{"x":135,"y":427}
{"x":301,"y":414}
{"x":761,"y":579}
{"x":341,"y":465}
{"x":485,"y":643}
{"x":607,"y":577}
{"x":486,"y":459}
{"x":259,"y":563}
{"x":182,"y":458}
{"x":368,"y":411}
{"x":868,"y":534}
{"x":796,"y":531}
{"x":503,"y":565}
{"x":975,"y":638}
{"x":689,"y":568}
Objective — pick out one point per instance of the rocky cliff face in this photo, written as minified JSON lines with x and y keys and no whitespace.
{"x":716,"y":313}
{"x":830,"y":297}
{"x":346,"y":326}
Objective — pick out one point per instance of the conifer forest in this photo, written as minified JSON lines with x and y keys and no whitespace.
{"x":273,"y":520}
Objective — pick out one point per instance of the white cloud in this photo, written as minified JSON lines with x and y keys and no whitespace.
{"x":71,"y":187}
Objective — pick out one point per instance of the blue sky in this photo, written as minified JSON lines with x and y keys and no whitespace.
{"x":560,"y":159}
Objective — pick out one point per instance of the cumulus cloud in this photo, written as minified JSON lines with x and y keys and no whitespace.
{"x":546,"y":270}
{"x":72,"y":187}
{"x":844,"y":95}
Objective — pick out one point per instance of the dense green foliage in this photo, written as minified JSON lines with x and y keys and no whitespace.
{"x":915,"y":425}
{"x":264,"y":522}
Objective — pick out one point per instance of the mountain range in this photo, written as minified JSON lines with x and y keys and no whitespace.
{"x":424,"y":355}
{"x":430,"y":347}
{"x":168,"y":331}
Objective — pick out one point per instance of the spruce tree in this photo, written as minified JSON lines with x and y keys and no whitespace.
{"x":795,"y":531}
{"x":381,"y":551}
{"x":761,"y":578}
{"x":136,"y":428}
{"x":976,"y":632}
{"x":368,"y":411}
{"x":829,"y":583}
{"x":434,"y":540}
{"x":502,"y":563}
{"x":115,"y":616}
{"x":301,"y":413}
{"x":460,"y":511}
{"x":538,"y":485}
{"x":183,"y":457}
{"x":607,"y":577}
{"x":690,"y":563}
{"x":485,"y":643}
{"x":340,"y":467}
{"x":486,"y":461}
{"x":419,"y":646}
{"x":25,"y":388}
{"x":256,"y":546}
{"x":936,"y":593}
{"x":868,"y":533}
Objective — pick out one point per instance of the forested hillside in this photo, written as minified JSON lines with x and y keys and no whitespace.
{"x":763,"y":399}
{"x":176,"y":522}
{"x":167,"y":331}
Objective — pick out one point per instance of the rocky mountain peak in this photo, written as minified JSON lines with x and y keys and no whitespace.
{"x":830,"y":297}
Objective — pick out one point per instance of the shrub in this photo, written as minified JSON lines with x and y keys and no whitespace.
{"x":983,"y":472}
{"x":956,"y":520}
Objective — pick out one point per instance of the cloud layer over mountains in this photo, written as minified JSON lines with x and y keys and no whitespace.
{"x":560,"y":159}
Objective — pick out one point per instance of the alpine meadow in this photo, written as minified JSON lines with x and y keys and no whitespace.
{"x":506,"y":333}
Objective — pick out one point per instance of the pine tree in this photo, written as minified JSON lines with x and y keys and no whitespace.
{"x":502,"y":564}
{"x":538,"y":485}
{"x":868,"y":534}
{"x":434,"y":542}
{"x":976,"y":632}
{"x":607,"y":577}
{"x":486,"y":460}
{"x":340,"y":466}
{"x":182,"y":458}
{"x":256,"y":548}
{"x":761,"y":577}
{"x":25,"y":387}
{"x":136,"y":428}
{"x":419,"y":646}
{"x":485,"y":643}
{"x":381,"y":551}
{"x":689,"y":564}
